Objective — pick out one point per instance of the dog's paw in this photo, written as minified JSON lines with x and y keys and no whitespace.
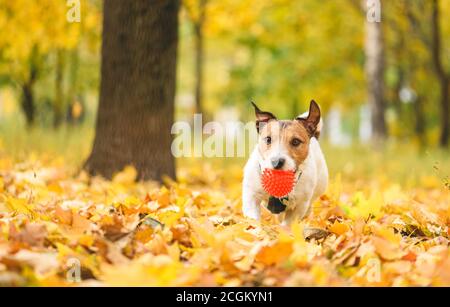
{"x":251,"y":213}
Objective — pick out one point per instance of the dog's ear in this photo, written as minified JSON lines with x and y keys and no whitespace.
{"x":262,"y":117}
{"x":312,"y":121}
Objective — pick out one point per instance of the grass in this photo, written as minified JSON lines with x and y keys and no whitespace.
{"x":71,"y":142}
{"x":405,"y":164}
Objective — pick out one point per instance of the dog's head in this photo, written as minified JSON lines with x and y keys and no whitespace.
{"x":284,"y":144}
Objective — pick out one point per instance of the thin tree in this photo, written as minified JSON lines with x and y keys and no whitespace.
{"x":58,"y":103}
{"x":433,"y":42}
{"x":28,"y":102}
{"x":441,"y":74}
{"x":374,"y":70}
{"x":197,"y":15}
{"x":374,"y":66}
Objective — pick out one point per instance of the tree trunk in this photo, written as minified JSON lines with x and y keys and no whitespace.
{"x":58,"y":103}
{"x":27,"y":88}
{"x":400,"y":81}
{"x":420,"y":121}
{"x":27,"y":104}
{"x":440,"y":73}
{"x":374,"y":69}
{"x":138,"y":71}
{"x":199,"y":56}
{"x":445,"y":111}
{"x":72,"y":92}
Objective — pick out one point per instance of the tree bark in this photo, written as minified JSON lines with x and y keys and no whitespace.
{"x":27,"y":104}
{"x":72,"y":92}
{"x":27,"y":88}
{"x":398,"y":54}
{"x":137,"y":89}
{"x":420,"y":121}
{"x":199,"y":56}
{"x":440,"y":73}
{"x":58,"y":103}
{"x":374,"y":69}
{"x":76,"y":108}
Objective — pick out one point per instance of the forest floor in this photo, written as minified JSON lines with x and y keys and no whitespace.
{"x":385,"y":225}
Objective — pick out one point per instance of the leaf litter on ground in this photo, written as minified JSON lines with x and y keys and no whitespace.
{"x":63,"y":229}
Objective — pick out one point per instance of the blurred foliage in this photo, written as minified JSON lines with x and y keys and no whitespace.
{"x":32,"y":35}
{"x":279,"y":53}
{"x":283,"y":53}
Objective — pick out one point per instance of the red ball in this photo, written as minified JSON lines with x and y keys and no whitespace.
{"x":278,"y":183}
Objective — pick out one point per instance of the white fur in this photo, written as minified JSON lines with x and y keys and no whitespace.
{"x":312,"y":183}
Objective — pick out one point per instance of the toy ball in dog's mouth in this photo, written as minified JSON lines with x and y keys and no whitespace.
{"x":278,"y":183}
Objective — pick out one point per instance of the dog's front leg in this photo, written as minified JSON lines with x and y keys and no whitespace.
{"x":251,"y":204}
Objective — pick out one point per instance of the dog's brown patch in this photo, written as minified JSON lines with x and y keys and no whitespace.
{"x":293,"y":135}
{"x":286,"y":133}
{"x":292,"y":132}
{"x":311,"y":123}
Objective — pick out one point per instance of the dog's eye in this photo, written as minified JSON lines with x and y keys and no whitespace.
{"x":295,"y":142}
{"x":268,"y":140}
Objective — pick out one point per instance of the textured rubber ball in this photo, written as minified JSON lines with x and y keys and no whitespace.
{"x":278,"y":183}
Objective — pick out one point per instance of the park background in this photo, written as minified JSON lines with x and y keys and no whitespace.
{"x":384,"y":92}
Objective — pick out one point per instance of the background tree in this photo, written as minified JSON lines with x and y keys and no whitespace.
{"x":280,"y":53}
{"x":429,"y":31}
{"x":440,"y":71}
{"x":27,"y":82}
{"x":58,"y":104}
{"x":283,"y":55}
{"x":35,"y":39}
{"x":374,"y":68}
{"x":137,"y":90}
{"x":196,"y":10}
{"x":374,"y":64}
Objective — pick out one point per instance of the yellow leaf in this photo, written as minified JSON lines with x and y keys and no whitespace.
{"x":339,"y":228}
{"x":126,"y":176}
{"x":364,"y":207}
{"x":275,"y":253}
{"x":19,"y":205}
{"x":54,"y":187}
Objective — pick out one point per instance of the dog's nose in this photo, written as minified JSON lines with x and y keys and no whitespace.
{"x":277,"y":163}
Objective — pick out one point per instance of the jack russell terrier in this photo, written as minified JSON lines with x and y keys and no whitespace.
{"x":289,"y":145}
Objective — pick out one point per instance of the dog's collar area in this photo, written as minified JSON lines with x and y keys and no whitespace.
{"x":277,"y":205}
{"x":298,"y":176}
